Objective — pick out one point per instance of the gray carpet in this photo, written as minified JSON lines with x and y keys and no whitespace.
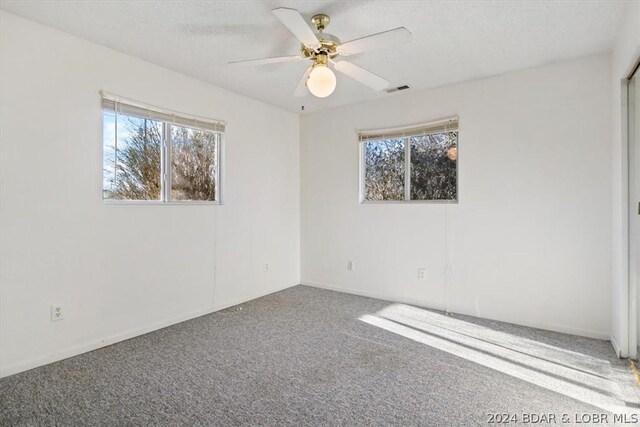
{"x":306,"y":356}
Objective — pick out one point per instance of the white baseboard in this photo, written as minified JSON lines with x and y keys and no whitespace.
{"x":616,"y":347}
{"x":113,"y":339}
{"x":412,"y":301}
{"x":554,"y":328}
{"x":252,"y":297}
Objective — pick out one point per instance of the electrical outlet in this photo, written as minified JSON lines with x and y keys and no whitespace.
{"x":422,"y":274}
{"x":266,"y":267}
{"x":349,"y":265}
{"x":57,"y":312}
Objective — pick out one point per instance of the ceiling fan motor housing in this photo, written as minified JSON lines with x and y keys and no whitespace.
{"x":328,"y":46}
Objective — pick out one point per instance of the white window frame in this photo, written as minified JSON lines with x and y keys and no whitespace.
{"x":405,"y":133}
{"x":165,"y":155}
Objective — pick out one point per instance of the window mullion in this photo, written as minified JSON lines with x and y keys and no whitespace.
{"x":217,"y":174}
{"x":363,"y":171}
{"x":407,"y":169}
{"x":166,"y":162}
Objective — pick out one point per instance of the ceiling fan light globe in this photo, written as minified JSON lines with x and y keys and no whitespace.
{"x":322,"y":81}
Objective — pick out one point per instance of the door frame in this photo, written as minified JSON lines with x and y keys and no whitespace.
{"x":629,"y":204}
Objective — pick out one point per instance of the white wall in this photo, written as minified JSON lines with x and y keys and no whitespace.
{"x":626,"y":52}
{"x":123,"y":270}
{"x":529,"y":241}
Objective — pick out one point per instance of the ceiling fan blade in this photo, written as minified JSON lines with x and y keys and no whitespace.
{"x":262,"y":61}
{"x":292,"y":19}
{"x":375,"y":41}
{"x":365,"y":77}
{"x":301,"y":89}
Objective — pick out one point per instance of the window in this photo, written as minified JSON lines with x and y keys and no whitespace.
{"x":410,"y":164}
{"x":150,"y":155}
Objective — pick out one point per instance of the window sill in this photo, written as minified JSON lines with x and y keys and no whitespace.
{"x":108,"y":202}
{"x":408,"y":202}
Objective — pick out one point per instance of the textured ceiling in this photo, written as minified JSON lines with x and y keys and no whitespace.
{"x":452,"y":41}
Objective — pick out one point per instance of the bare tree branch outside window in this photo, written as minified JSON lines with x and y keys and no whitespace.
{"x":133,"y":151}
{"x":384,"y":170}
{"x":432,"y":160}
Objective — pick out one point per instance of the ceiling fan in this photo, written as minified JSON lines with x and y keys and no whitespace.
{"x":323,"y":49}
